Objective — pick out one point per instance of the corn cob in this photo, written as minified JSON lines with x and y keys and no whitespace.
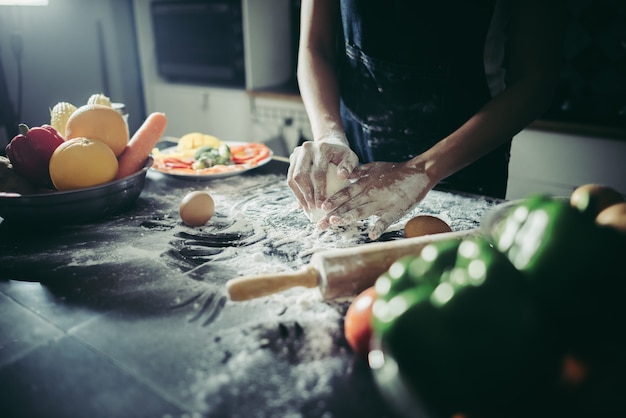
{"x":59,"y":115}
{"x":100,"y":99}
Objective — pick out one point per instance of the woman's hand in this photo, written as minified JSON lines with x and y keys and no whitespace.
{"x":308,"y":166}
{"x":386,"y":190}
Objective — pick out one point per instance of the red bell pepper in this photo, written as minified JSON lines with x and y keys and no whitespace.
{"x":30,"y":152}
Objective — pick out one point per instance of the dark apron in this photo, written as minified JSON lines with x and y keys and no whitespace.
{"x":412,"y":73}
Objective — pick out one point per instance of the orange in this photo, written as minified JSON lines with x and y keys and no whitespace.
{"x":101,"y":123}
{"x":80,"y":162}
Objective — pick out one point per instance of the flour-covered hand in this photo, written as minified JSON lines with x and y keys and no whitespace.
{"x":382,"y":189}
{"x":309,"y":164}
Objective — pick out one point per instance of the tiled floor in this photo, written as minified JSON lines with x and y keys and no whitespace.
{"x":47,"y":369}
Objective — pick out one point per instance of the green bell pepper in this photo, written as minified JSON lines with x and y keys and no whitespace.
{"x":570,"y":262}
{"x":467,"y":333}
{"x":410,"y":271}
{"x":553,"y":244}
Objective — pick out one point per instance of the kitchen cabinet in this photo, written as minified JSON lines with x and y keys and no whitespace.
{"x":220,"y":112}
{"x":223,"y":112}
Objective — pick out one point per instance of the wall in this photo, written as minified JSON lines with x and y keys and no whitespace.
{"x":71,"y":49}
{"x":557,"y":163}
{"x":591,"y":97}
{"x":592,"y":88}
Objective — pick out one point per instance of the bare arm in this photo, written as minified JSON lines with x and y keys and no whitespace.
{"x":316,"y":66}
{"x":536,"y":29}
{"x":390,"y":190}
{"x":320,"y":93}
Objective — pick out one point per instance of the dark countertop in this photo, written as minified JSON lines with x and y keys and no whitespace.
{"x":128,"y":316}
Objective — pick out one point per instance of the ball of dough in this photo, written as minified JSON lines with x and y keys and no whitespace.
{"x":333,"y":185}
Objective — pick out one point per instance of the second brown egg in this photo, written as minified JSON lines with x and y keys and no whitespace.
{"x":425,"y":225}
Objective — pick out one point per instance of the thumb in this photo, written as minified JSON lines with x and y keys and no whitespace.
{"x":346,"y":167}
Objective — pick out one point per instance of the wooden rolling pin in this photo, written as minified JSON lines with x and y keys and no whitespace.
{"x":338,"y":272}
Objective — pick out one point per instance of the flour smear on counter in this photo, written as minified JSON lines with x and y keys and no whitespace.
{"x":282,"y":355}
{"x":290,"y":362}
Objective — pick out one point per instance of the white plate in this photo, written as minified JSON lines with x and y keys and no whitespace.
{"x":205,"y":174}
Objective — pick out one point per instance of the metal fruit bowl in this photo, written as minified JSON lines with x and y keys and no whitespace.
{"x":75,"y":206}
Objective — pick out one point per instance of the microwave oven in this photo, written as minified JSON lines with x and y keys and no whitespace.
{"x":199,"y":41}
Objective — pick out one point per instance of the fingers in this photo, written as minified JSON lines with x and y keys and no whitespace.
{"x":309,"y":165}
{"x":347,"y":166}
{"x":381,"y":225}
{"x":386,"y":217}
{"x":350,"y":209}
{"x":300,"y":177}
{"x":319,"y":175}
{"x":383,"y":190}
{"x":358,"y":208}
{"x":291,"y":181}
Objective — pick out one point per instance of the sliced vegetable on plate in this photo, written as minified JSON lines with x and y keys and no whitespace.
{"x":208,"y":156}
{"x":205,"y":156}
{"x":250,"y":153}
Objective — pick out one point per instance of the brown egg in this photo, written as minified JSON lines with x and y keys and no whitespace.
{"x":594,"y":198}
{"x":614,"y":216}
{"x":196,"y":208}
{"x":425,"y":225}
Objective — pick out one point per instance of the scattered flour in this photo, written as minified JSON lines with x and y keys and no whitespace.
{"x":288,"y":354}
{"x":283,"y":351}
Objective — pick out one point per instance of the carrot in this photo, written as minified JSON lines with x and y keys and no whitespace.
{"x":178,"y":162}
{"x":141,"y":144}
